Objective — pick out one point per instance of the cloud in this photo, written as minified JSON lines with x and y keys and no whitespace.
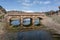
{"x":57,"y":2}
{"x":26,"y":0}
{"x":27,"y":10}
{"x":27,"y":4}
{"x":44,"y":2}
{"x":34,"y":2}
{"x":23,"y":1}
{"x":47,"y":2}
{"x":41,"y":2}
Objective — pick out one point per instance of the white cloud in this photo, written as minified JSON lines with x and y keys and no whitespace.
{"x":47,"y":2}
{"x":41,"y":2}
{"x":27,"y":4}
{"x":36,"y":2}
{"x":27,"y":11}
{"x":57,"y":2}
{"x":23,"y":1}
{"x":26,"y":0}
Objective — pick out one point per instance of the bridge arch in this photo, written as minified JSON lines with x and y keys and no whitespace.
{"x":27,"y":20}
{"x":22,"y":17}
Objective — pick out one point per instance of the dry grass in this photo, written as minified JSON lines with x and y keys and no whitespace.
{"x":56,"y":18}
{"x":51,"y":24}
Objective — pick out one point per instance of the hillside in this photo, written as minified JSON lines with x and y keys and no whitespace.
{"x":52,"y":23}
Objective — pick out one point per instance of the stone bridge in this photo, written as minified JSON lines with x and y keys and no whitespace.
{"x":21,"y":17}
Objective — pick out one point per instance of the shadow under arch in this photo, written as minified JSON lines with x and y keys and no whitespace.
{"x":40,"y":18}
{"x":37,"y":21}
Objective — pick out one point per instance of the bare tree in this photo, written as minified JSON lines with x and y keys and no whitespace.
{"x":59,"y":8}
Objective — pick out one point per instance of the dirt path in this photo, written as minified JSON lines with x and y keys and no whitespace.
{"x":50,"y":24}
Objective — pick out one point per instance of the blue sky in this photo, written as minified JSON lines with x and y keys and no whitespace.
{"x":30,"y":5}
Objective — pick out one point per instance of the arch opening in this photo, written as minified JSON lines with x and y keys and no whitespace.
{"x":27,"y":22}
{"x":15,"y":22}
{"x":40,"y":18}
{"x":37,"y":21}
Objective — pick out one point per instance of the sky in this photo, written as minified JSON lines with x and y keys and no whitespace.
{"x":30,"y":5}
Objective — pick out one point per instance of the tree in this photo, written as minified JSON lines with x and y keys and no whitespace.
{"x":51,"y":12}
{"x":2,"y":12}
{"x":59,"y":8}
{"x":2,"y":9}
{"x":47,"y":13}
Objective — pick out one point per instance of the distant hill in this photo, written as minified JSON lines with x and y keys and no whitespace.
{"x":22,"y":12}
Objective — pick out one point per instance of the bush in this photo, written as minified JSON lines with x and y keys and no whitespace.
{"x":1,"y":17}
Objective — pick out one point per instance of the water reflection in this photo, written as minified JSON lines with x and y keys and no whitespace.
{"x":36,"y":22}
{"x":15,"y":22}
{"x":27,"y":21}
